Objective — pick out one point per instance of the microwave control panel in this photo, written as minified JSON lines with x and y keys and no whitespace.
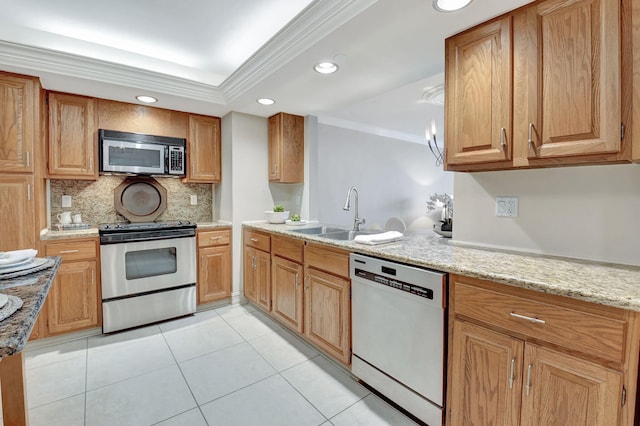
{"x":176,"y":160}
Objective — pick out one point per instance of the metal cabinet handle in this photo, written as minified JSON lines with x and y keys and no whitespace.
{"x":253,"y":262}
{"x":29,"y":192}
{"x":528,"y":387}
{"x":297,"y":282}
{"x":68,"y":251}
{"x":28,"y":159}
{"x":512,"y":373}
{"x":93,"y":276}
{"x":255,"y":240}
{"x":91,"y":164}
{"x":306,"y":280}
{"x":503,"y":139}
{"x":526,"y":318}
{"x":530,"y":140}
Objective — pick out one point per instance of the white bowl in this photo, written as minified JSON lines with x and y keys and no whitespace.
{"x":276,"y":217}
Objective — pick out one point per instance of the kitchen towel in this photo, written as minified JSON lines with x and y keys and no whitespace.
{"x":373,"y":239}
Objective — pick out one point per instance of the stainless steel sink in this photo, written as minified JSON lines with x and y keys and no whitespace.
{"x":318,"y":230}
{"x":346,"y":235}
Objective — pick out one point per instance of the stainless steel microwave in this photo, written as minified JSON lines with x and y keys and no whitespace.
{"x":140,"y":154}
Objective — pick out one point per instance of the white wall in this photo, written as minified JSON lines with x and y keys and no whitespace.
{"x":394,"y":178}
{"x":244,"y":192}
{"x":588,"y":212}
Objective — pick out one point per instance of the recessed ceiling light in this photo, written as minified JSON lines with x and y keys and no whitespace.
{"x":266,"y":101}
{"x":450,"y":5}
{"x":146,"y":99}
{"x":326,"y":68}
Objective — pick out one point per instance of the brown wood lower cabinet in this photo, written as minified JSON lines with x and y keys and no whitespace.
{"x":74,"y":299}
{"x":304,"y":286}
{"x":515,"y":373}
{"x":286,"y":292}
{"x":214,"y":265}
{"x":287,"y":276}
{"x":328,"y":313}
{"x":257,"y":268}
{"x":327,"y":300}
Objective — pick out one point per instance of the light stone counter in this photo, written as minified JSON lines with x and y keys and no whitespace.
{"x":48,"y":234}
{"x":212,"y":225}
{"x":605,"y":284}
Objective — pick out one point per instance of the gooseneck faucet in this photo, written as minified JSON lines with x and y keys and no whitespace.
{"x":347,"y":206}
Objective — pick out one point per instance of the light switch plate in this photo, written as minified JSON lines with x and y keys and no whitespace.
{"x":66,"y":201}
{"x":506,"y":206}
{"x":194,"y":200}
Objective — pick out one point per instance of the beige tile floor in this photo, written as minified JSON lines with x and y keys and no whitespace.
{"x":229,"y":366}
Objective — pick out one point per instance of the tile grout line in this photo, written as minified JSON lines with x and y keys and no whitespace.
{"x":185,"y":380}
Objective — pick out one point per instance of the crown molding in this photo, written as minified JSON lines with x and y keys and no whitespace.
{"x":50,"y":61}
{"x":310,"y":26}
{"x":372,"y":130}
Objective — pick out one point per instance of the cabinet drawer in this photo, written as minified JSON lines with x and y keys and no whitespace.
{"x":220,"y":237}
{"x":257,"y":240}
{"x":327,"y":259}
{"x":72,"y":250}
{"x":288,"y":248}
{"x":573,"y":329}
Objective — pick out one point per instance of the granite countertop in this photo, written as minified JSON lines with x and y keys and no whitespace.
{"x":605,"y":284}
{"x":33,"y":290}
{"x":48,"y":234}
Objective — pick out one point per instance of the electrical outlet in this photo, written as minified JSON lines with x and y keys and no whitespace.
{"x":506,"y":206}
{"x":66,"y":201}
{"x":194,"y":200}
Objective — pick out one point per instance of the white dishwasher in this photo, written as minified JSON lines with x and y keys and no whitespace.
{"x":398,"y":320}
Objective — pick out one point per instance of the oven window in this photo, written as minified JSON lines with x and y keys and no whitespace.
{"x":150,"y":263}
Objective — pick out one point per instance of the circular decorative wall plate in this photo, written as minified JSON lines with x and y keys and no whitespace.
{"x":140,"y":199}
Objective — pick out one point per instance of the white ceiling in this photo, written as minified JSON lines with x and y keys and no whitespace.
{"x":215,"y":56}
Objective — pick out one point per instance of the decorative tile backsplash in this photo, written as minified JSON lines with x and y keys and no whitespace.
{"x":95,"y":200}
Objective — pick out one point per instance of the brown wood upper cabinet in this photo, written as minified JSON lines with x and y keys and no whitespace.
{"x":19,"y":110}
{"x":286,"y":148}
{"x":541,"y":86}
{"x":204,"y":150}
{"x":72,"y":137}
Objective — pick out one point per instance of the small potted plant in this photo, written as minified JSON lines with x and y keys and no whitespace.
{"x":277,"y":215}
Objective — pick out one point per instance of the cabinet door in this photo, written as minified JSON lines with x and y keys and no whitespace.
{"x":486,"y":376}
{"x":560,"y":389}
{"x":263,"y":279}
{"x":17,"y":226}
{"x":573,"y":76}
{"x":204,"y":149}
{"x":72,"y":137}
{"x":328,"y":313}
{"x":18,"y":129}
{"x":73,"y":298}
{"x":286,"y":292}
{"x":478,"y":115}
{"x":249,"y":274}
{"x":214,"y":273}
{"x":286,"y":148}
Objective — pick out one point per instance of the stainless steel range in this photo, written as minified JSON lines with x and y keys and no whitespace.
{"x":148,"y":272}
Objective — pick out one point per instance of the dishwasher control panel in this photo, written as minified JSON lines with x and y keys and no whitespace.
{"x":392,"y":282}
